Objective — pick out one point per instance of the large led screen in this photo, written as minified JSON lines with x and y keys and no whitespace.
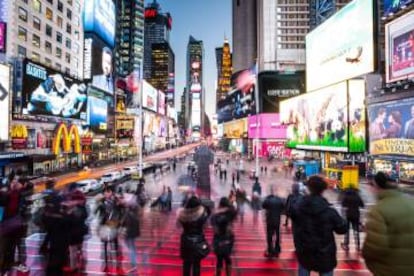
{"x":391,"y":127}
{"x":161,"y":103}
{"x":97,"y":111}
{"x":99,"y":17}
{"x":399,"y":37}
{"x":49,"y":92}
{"x":357,"y":118}
{"x":342,"y":47}
{"x":317,"y":120}
{"x":149,"y":97}
{"x":393,"y":6}
{"x":4,"y":101}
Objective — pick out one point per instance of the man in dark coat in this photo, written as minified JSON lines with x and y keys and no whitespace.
{"x":274,"y":206}
{"x":314,"y":225}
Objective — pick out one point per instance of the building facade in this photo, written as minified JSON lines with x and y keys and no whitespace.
{"x":224,"y":70}
{"x":163,"y":64}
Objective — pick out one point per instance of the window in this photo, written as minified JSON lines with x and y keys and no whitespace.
{"x":37,"y":5}
{"x":49,"y":30}
{"x":22,"y":34}
{"x":48,"y":47}
{"x":21,"y":51}
{"x":60,"y":6}
{"x":68,"y":43}
{"x":58,"y":52}
{"x":67,"y":71}
{"x":58,"y":66}
{"x":35,"y":56}
{"x":70,"y":2}
{"x":22,"y":14}
{"x":69,"y":13}
{"x":59,"y":21}
{"x":59,"y":37}
{"x":68,"y":28}
{"x":36,"y":40}
{"x":67,"y":57}
{"x":36,"y":23}
{"x":48,"y":61}
{"x":49,"y":14}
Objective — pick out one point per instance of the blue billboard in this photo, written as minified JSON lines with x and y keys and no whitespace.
{"x":392,"y":6}
{"x":99,"y":17}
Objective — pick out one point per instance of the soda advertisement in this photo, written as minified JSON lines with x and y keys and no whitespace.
{"x":391,"y":127}
{"x":399,"y":40}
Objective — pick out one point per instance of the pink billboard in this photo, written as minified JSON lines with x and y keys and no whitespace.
{"x":269,"y":127}
{"x":3,"y":33}
{"x":273,"y":148}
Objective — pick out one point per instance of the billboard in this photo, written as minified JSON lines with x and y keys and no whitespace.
{"x":275,"y":86}
{"x":392,"y":6}
{"x":3,"y":37}
{"x":98,"y":64}
{"x":317,"y":120}
{"x":236,"y":129}
{"x":4,"y":101}
{"x":51,"y":93}
{"x":399,"y":48}
{"x":196,"y":74}
{"x":170,"y":88}
{"x":149,"y":96}
{"x":124,"y":127}
{"x":349,"y":55}
{"x":98,"y":111}
{"x":161,"y":103}
{"x":99,"y":18}
{"x":269,"y":126}
{"x":357,"y":117}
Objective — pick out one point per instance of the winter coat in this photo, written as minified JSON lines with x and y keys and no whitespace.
{"x":352,"y":202}
{"x":274,"y":207}
{"x":192,"y":221}
{"x":131,"y":223}
{"x":223,"y":239}
{"x":257,"y":188}
{"x":314,"y":224}
{"x":291,"y":201}
{"x":389,"y":244}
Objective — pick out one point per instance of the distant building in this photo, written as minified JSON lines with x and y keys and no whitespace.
{"x":224,"y":70}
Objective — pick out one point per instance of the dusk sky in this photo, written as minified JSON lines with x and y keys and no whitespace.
{"x":206,"y":20}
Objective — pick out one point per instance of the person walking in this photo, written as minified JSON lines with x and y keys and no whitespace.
{"x":169,"y":198}
{"x":256,"y":194}
{"x":223,"y":239}
{"x":193,"y":245}
{"x":388,"y":248}
{"x":291,"y":200}
{"x":314,"y":225}
{"x":274,"y":207}
{"x":130,"y":222}
{"x":351,"y":202}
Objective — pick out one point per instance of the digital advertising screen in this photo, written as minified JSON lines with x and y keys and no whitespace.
{"x":4,"y":101}
{"x":357,"y":117}
{"x":196,"y":74}
{"x":149,"y":124}
{"x":3,"y":37}
{"x":393,"y":6}
{"x":98,"y":64}
{"x":317,"y":120}
{"x":48,"y":92}
{"x":161,"y":103}
{"x":149,"y":97}
{"x":163,"y":127}
{"x":349,"y":55}
{"x":97,"y":111}
{"x":99,"y":18}
{"x":399,"y":48}
{"x":124,"y":127}
{"x":391,"y":127}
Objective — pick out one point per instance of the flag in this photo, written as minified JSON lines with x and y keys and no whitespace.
{"x":247,"y":78}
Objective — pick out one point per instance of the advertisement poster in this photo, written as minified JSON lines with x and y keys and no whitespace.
{"x":235,"y":129}
{"x":97,"y":111}
{"x":272,"y":148}
{"x":357,"y":120}
{"x":149,"y":97}
{"x":163,"y":127}
{"x":399,"y":47}
{"x":196,"y":74}
{"x":120,"y":103}
{"x":349,"y":55}
{"x":4,"y":101}
{"x":99,"y":17}
{"x":124,"y":127}
{"x":317,"y":120}
{"x":161,"y":103}
{"x":3,"y":37}
{"x":149,"y":124}
{"x":269,"y":127}
{"x":393,"y":6}
{"x":391,"y":127}
{"x":237,"y":105}
{"x":48,"y":92}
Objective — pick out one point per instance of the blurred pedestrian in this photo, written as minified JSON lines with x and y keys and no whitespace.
{"x":130,"y":222}
{"x":292,"y":199}
{"x":223,"y":240}
{"x":241,"y":200}
{"x":274,"y":207}
{"x":169,"y":198}
{"x":388,"y":248}
{"x":314,"y":225}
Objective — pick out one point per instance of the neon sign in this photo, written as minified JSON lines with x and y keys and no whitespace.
{"x":150,"y":13}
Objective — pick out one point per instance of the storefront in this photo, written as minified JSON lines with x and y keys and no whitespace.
{"x":12,"y":161}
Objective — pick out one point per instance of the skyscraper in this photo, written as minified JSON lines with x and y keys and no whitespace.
{"x":223,"y":58}
{"x":162,"y":66}
{"x":320,"y":10}
{"x":129,"y":36}
{"x":157,"y":30}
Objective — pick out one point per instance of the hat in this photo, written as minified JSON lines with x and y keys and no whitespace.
{"x":193,"y":202}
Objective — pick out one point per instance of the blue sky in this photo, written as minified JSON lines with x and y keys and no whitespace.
{"x":207,"y":20}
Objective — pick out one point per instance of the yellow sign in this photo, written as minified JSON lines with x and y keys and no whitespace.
{"x":19,"y":131}
{"x":392,"y":146}
{"x":62,"y":134}
{"x":235,"y":129}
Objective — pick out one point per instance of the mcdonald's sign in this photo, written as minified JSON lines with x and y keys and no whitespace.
{"x":19,"y":136}
{"x":66,"y":138}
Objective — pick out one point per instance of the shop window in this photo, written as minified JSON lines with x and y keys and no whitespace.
{"x":48,"y":47}
{"x":37,"y":5}
{"x":49,"y":30}
{"x":59,"y":37}
{"x":36,"y":41}
{"x":49,"y":14}
{"x":22,"y":14}
{"x":58,"y":52}
{"x":21,"y":51}
{"x":36,"y":23}
{"x":22,"y":34}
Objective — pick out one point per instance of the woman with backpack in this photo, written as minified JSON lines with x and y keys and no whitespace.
{"x":223,"y":240}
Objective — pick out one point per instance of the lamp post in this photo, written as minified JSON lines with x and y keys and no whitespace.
{"x":256,"y":96}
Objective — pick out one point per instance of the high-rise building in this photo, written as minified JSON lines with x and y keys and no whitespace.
{"x":244,"y":34}
{"x":224,"y":70}
{"x":320,"y":10}
{"x":47,"y":32}
{"x":162,"y":66}
{"x":129,"y":36}
{"x":157,"y":30}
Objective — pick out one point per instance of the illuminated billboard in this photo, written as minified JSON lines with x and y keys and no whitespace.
{"x":161,"y":103}
{"x":349,"y":55}
{"x":149,"y":96}
{"x":357,"y":117}
{"x":4,"y":101}
{"x":99,"y":18}
{"x":3,"y":37}
{"x":393,"y":6}
{"x":51,"y":93}
{"x":399,"y":48}
{"x":97,"y":111}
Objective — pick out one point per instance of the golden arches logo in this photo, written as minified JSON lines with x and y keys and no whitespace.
{"x":65,"y":136}
{"x":19,"y":131}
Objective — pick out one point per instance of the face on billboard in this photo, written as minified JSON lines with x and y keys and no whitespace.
{"x":48,"y":92}
{"x":349,"y":55}
{"x":399,"y":39}
{"x":391,"y":127}
{"x":99,"y":17}
{"x":317,"y":120}
{"x":101,"y":66}
{"x":4,"y":102}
